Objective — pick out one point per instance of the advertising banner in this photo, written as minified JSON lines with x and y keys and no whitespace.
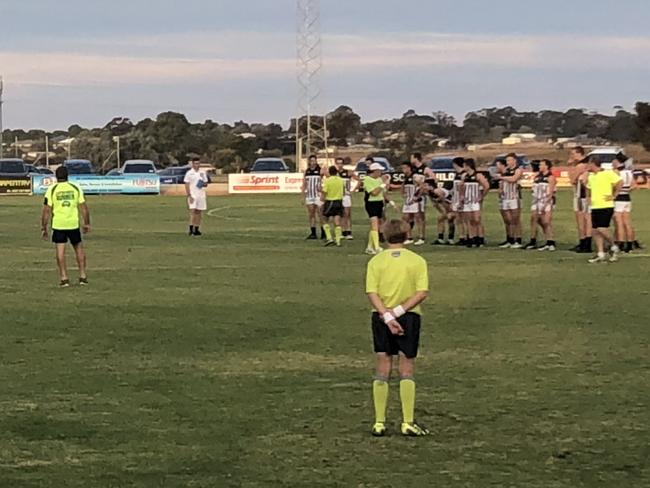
{"x":15,"y":186}
{"x":242,"y":183}
{"x":104,"y":185}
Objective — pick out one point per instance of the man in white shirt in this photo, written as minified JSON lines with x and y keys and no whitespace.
{"x":195,"y":183}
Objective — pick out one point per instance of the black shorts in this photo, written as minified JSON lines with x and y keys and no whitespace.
{"x":384,"y":341}
{"x":63,"y":236}
{"x":375,"y":209}
{"x":333,"y":208}
{"x":601,"y":218}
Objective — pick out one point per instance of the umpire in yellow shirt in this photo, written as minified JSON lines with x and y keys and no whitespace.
{"x":61,"y":207}
{"x":603,"y":186}
{"x":397,"y":282}
{"x":332,"y":194}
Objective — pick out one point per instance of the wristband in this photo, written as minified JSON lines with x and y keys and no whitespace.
{"x":388,"y":317}
{"x":398,"y":311}
{"x":382,"y":186}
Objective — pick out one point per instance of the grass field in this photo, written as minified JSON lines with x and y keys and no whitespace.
{"x":243,"y":358}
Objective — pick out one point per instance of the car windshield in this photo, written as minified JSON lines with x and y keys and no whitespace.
{"x":268,"y":166}
{"x":362,"y":166}
{"x":605,"y":158}
{"x":139,"y":168}
{"x":12,"y":167}
{"x":442,"y":163}
{"x":79,"y":168}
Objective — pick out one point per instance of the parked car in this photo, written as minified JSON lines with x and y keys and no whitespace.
{"x":443,"y":168}
{"x":138,"y":166}
{"x":113,"y":172}
{"x":361,"y":170}
{"x":522,"y":162}
{"x":79,"y":167}
{"x":174,"y":175}
{"x":606,"y":155}
{"x":269,"y":165}
{"x":13,"y":168}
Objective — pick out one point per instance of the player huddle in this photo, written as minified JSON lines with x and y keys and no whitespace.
{"x":460,"y":206}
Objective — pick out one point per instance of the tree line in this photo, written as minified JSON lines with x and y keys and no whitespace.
{"x":171,"y":139}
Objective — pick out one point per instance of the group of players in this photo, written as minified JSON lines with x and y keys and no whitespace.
{"x":459,"y":205}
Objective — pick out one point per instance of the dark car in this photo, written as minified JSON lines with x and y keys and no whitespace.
{"x":174,"y":175}
{"x":522,"y":162}
{"x":269,"y":165}
{"x":443,"y":168}
{"x":13,"y":168}
{"x":361,"y":170}
{"x":79,"y":167}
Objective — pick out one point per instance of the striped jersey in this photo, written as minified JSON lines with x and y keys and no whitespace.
{"x":581,"y":186}
{"x":345,"y":174}
{"x":471,"y":189}
{"x":409,"y":189}
{"x":628,"y":179}
{"x":541,"y":187}
{"x":510,"y":191}
{"x":313,"y":182}
{"x":419,"y":171}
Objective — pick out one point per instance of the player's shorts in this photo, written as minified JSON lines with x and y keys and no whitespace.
{"x":601,"y":218}
{"x":411,"y":208}
{"x":622,"y":207}
{"x":408,"y":344}
{"x":541,"y":209}
{"x":63,"y":236}
{"x":200,"y":203}
{"x":314,"y":201}
{"x":333,"y":208}
{"x":512,"y":204}
{"x":580,"y":205}
{"x":455,"y":206}
{"x":347,"y":201}
{"x":375,"y":209}
{"x":471,"y":207}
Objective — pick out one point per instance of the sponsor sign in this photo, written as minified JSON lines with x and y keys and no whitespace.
{"x":265,"y":183}
{"x":104,"y":185}
{"x":15,"y":186}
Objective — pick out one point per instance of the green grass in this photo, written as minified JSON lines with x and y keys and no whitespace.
{"x":244,"y":358}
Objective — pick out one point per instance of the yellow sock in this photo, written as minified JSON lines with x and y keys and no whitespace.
{"x":370,"y":242}
{"x":380,"y":397}
{"x":328,"y":232}
{"x":407,"y":395}
{"x":338,"y":232}
{"x":374,"y":236}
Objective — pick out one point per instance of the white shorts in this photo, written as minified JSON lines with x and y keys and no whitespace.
{"x":513,"y":204}
{"x":580,"y":205}
{"x":347,"y":201}
{"x":471,"y":207}
{"x":413,"y":208}
{"x":314,"y":201}
{"x":622,"y":207}
{"x":200,"y":203}
{"x":454,"y":206}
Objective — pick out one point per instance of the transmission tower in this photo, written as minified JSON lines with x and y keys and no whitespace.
{"x":1,"y":126}
{"x":311,"y":136}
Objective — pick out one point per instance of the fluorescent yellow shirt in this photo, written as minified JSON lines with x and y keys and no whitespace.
{"x":396,"y":275}
{"x":64,"y":198}
{"x":602,"y":185}
{"x":334,"y":188}
{"x":371,"y":184}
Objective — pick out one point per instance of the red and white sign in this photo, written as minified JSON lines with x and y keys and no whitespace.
{"x":265,"y":183}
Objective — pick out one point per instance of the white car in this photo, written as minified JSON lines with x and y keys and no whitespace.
{"x":606,"y":155}
{"x":138,"y":166}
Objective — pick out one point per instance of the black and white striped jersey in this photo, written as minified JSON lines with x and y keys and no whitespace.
{"x":541,"y":189}
{"x":455,"y":189}
{"x":471,"y":189}
{"x":409,"y":189}
{"x":313,"y":182}
{"x":347,"y":176}
{"x":628,"y":179}
{"x":510,"y":191}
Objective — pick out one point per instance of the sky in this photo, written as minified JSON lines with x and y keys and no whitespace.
{"x":81,"y":62}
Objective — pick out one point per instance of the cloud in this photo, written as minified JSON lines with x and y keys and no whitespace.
{"x":214,"y":57}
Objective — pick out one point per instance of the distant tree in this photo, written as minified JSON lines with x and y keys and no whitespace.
{"x":622,"y":127}
{"x":343,"y":124}
{"x":643,"y":123}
